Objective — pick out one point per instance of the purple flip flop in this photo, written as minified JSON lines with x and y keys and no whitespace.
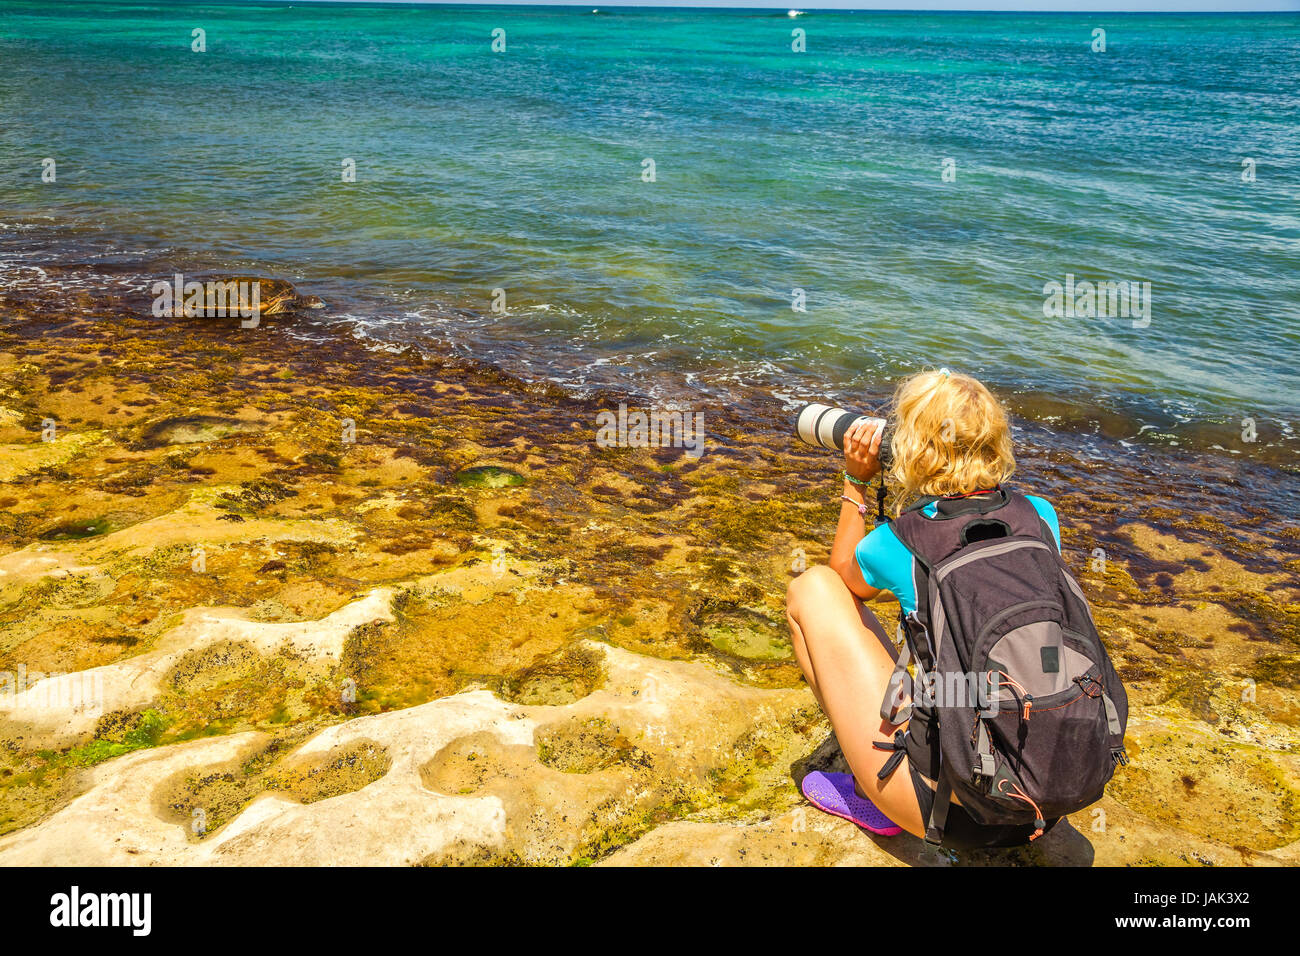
{"x":834,"y":794}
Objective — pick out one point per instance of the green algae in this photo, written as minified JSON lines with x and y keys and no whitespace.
{"x":739,"y":630}
{"x":137,"y":731}
{"x":488,"y":476}
{"x":33,"y":783}
{"x":76,"y":530}
{"x":747,"y":633}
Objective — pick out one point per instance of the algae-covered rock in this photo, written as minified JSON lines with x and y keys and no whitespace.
{"x":304,"y":623}
{"x":747,"y":633}
{"x":468,"y":777}
{"x":191,"y":429}
{"x":561,"y":678}
{"x":1181,"y":776}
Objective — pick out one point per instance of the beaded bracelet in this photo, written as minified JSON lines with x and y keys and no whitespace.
{"x":860,"y":505}
{"x":857,"y":481}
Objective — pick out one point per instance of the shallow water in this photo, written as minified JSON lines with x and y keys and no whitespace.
{"x":774,"y":171}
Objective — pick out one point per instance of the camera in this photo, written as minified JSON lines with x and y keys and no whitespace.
{"x":825,"y":426}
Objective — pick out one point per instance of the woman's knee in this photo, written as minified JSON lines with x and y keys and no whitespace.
{"x":813,"y":586}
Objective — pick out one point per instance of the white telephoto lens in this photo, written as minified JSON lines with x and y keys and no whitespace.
{"x":806,"y":423}
{"x":826,"y":425}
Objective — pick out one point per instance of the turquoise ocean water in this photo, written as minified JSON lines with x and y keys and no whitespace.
{"x":774,"y":170}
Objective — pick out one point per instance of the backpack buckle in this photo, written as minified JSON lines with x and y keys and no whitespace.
{"x":985,"y":765}
{"x":1120,"y":756}
{"x":1090,"y":686}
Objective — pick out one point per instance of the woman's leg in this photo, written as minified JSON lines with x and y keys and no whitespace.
{"x":847,"y":659}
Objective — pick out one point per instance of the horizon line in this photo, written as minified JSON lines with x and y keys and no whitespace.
{"x":1119,"y":7}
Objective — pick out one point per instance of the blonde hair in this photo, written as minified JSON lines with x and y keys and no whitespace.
{"x":951,"y":436}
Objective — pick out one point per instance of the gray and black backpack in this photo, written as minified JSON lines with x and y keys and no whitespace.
{"x":1015,"y":706}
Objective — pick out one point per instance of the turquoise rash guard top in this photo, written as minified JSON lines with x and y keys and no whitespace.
{"x":887,"y":565}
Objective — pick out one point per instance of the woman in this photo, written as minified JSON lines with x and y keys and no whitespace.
{"x":951,"y":440}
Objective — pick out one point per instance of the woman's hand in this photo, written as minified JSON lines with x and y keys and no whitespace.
{"x":862,"y":449}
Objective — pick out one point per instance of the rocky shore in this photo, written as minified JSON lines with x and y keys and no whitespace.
{"x":348,"y":605}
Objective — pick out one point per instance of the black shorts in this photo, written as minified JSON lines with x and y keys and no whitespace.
{"x":961,"y":832}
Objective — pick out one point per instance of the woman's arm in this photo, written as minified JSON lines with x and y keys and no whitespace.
{"x":861,"y":461}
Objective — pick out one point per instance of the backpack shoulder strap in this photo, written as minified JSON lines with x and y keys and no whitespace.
{"x":1029,"y":521}
{"x":932,"y":538}
{"x":921,"y":503}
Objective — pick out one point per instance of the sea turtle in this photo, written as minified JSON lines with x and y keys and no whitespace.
{"x":223,"y":295}
{"x":275,"y":296}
